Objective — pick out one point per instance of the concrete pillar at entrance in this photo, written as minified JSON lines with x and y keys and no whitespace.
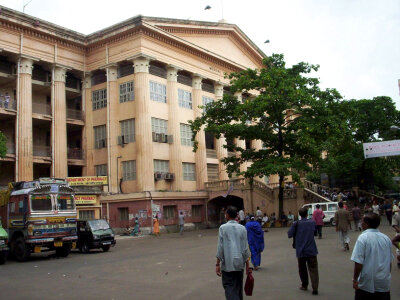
{"x":201,"y":153}
{"x":112,"y":126}
{"x":175,"y":157}
{"x":221,"y":151}
{"x":60,"y":159}
{"x":25,"y":144}
{"x":88,"y":129}
{"x":144,"y":143}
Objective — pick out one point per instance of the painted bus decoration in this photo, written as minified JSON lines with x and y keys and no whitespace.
{"x":39,"y":216}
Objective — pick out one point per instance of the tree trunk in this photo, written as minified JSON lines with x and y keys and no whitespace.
{"x":280,"y":195}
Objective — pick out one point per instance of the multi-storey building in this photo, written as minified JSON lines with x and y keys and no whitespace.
{"x":117,"y":103}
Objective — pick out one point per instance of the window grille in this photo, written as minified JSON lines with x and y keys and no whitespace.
{"x":161,"y":166}
{"x":129,"y":170}
{"x":185,"y":99}
{"x":196,"y":210}
{"x":158,"y":92}
{"x":126,"y":92}
{"x":169,"y":211}
{"x":123,"y":214}
{"x":101,"y":170}
{"x":158,"y":71}
{"x":186,"y":135}
{"x":128,"y":130}
{"x":100,"y":137}
{"x":159,"y":125}
{"x":86,"y":214}
{"x":99,"y":99}
{"x":189,"y":171}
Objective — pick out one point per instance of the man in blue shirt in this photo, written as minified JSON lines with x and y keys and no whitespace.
{"x":303,"y":232}
{"x":232,"y":255}
{"x":372,"y":256}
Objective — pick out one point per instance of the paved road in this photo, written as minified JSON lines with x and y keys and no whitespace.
{"x":177,"y":267}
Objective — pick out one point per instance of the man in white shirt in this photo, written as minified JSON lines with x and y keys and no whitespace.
{"x":372,"y":257}
{"x":259,"y":214}
{"x":181,"y":222}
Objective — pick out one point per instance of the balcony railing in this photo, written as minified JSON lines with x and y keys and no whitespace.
{"x":10,"y":104}
{"x":10,"y":148}
{"x":41,"y":151}
{"x":186,"y":80}
{"x":74,"y":114}
{"x":207,"y":87}
{"x":158,"y":71}
{"x":211,"y":153}
{"x":75,"y":153}
{"x":43,"y":109}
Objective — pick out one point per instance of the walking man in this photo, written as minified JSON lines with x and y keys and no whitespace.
{"x":396,"y":239}
{"x":356,"y":212}
{"x":342,"y":219}
{"x":255,"y":237}
{"x":303,"y":232}
{"x":241,"y":217}
{"x":372,"y":257}
{"x":318,"y":216}
{"x":181,"y":222}
{"x":232,"y":255}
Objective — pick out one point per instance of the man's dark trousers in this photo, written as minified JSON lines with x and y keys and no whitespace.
{"x":233,"y":285}
{"x":363,"y":295}
{"x":312,"y":264}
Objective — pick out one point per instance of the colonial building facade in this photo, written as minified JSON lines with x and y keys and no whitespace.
{"x":117,"y":103}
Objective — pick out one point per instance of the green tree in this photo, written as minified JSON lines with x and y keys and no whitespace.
{"x":3,"y":148}
{"x":289,"y":113}
{"x":362,"y":121}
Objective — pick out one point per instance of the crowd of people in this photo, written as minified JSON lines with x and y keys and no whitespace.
{"x":372,"y":253}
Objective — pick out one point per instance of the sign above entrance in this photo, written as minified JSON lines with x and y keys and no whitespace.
{"x":85,"y":199}
{"x":89,"y":180}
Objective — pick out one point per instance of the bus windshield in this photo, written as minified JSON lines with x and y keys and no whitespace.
{"x":41,"y":203}
{"x":65,"y":202}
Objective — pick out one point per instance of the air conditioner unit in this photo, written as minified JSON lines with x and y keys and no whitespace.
{"x":154,"y":136}
{"x":169,"y":176}
{"x":160,"y":137}
{"x":170,"y":139}
{"x":165,"y":140}
{"x":120,"y":142}
{"x":103,"y":143}
{"x":158,"y":176}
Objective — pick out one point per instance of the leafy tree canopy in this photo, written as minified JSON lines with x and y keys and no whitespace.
{"x":289,"y":114}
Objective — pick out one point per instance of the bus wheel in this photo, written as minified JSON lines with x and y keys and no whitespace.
{"x":21,"y":252}
{"x":106,"y":248}
{"x":63,"y":251}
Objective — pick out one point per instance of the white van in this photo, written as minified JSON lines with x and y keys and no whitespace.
{"x":329,"y":209}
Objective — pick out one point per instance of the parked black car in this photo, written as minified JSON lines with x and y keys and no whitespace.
{"x":94,"y":234}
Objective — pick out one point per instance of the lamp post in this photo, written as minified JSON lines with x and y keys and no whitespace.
{"x":118,"y":187}
{"x":151,"y":210}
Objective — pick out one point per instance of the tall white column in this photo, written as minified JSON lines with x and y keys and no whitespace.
{"x":221,"y":151}
{"x":175,"y":157}
{"x":25,"y":142}
{"x":201,"y":153}
{"x":144,"y":143}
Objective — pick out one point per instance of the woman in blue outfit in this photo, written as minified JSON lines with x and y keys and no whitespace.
{"x":255,"y":238}
{"x":135,"y":231}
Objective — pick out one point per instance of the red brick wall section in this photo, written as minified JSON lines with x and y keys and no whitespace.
{"x":142,"y":210}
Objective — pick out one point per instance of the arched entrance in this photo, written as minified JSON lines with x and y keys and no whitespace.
{"x":216,"y":204}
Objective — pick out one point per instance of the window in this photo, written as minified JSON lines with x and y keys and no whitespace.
{"x":196,"y":210}
{"x":158,"y":92}
{"x":65,"y":202}
{"x":86,"y":214}
{"x":42,"y":202}
{"x":129,"y":170}
{"x":123,"y":214}
{"x":185,"y":99}
{"x":186,"y":135}
{"x":101,"y":170}
{"x":161,"y":166}
{"x":100,"y":137}
{"x":169,"y":212}
{"x":99,"y":99}
{"x":127,"y":131}
{"x":210,"y":141}
{"x":189,"y":172}
{"x":207,"y":100}
{"x":126,"y":92}
{"x":159,"y":125}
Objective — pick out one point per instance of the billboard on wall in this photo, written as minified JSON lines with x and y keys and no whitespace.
{"x":85,"y":199}
{"x":88,"y":180}
{"x":380,"y":149}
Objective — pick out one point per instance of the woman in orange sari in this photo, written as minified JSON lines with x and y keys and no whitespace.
{"x":156,"y":226}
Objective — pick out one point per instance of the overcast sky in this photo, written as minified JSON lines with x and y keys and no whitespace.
{"x":356,"y":42}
